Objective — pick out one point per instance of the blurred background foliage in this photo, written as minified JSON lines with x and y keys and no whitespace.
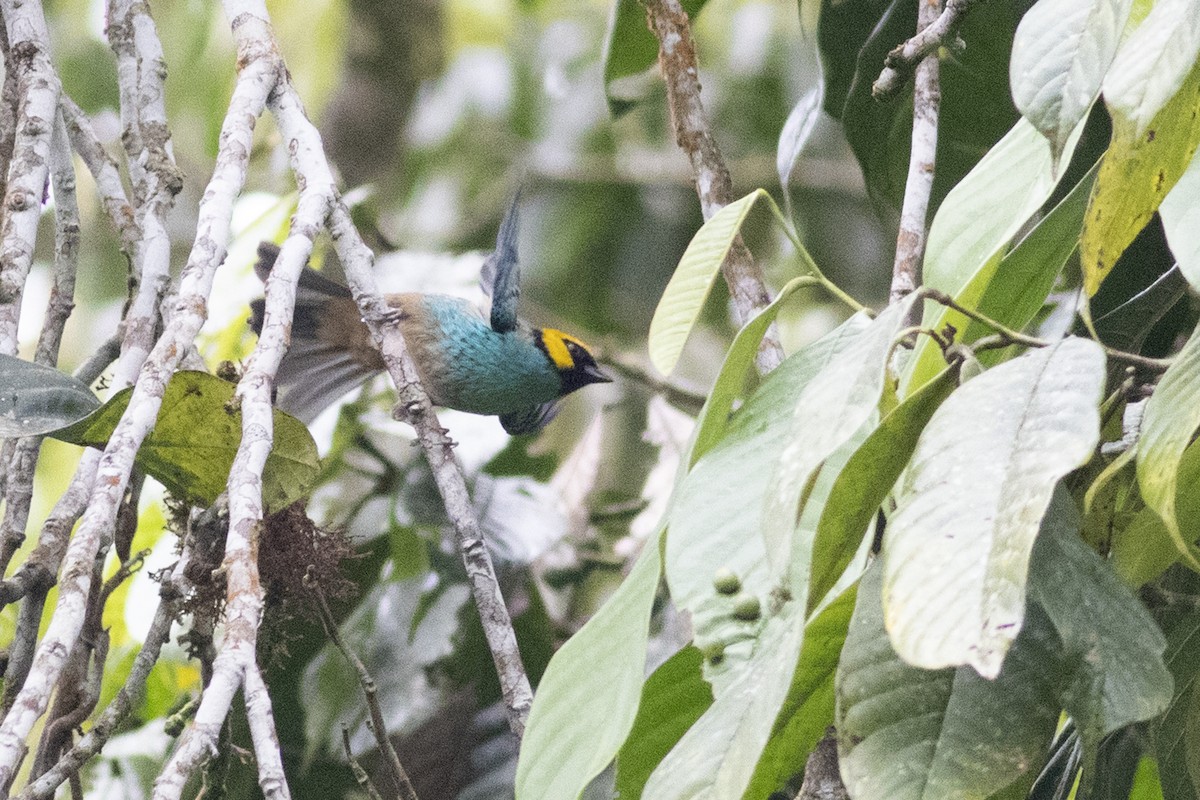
{"x":434,"y":112}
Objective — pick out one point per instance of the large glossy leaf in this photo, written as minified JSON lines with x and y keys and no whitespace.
{"x":36,"y":399}
{"x":831,"y":409}
{"x":1172,"y":417}
{"x":1180,"y":211}
{"x":1113,"y":672}
{"x":673,"y":698}
{"x":693,"y":279}
{"x":957,"y":548}
{"x":906,"y":733}
{"x":1153,"y":62}
{"x":983,"y":212}
{"x":1141,"y":166}
{"x":1177,"y":733}
{"x":1060,"y":55}
{"x":1012,"y":290}
{"x":717,"y":516}
{"x":588,"y":698}
{"x":630,"y":49}
{"x":196,"y":436}
{"x":866,"y":481}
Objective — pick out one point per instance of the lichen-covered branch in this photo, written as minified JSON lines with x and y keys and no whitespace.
{"x":677,"y":58}
{"x":38,"y":87}
{"x":940,"y":31}
{"x":927,"y":98}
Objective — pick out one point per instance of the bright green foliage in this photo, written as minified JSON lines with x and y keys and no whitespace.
{"x":195,"y":439}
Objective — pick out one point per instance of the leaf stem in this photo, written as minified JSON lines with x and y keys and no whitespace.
{"x":1007,"y":336}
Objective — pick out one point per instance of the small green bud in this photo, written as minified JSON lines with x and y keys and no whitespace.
{"x":726,"y":581}
{"x":747,"y":607}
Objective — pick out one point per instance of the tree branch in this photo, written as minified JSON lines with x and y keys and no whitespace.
{"x":927,"y":98}
{"x":900,"y":62}
{"x":677,"y":58}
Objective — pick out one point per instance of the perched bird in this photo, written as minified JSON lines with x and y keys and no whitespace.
{"x":506,"y":368}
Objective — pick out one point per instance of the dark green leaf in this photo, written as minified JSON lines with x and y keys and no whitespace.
{"x":673,"y":698}
{"x":195,"y":439}
{"x":906,"y":733}
{"x":1177,"y":733}
{"x":36,"y":399}
{"x":866,"y":480}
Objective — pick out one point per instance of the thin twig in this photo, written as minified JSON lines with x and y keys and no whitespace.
{"x":899,"y":63}
{"x":1006,"y":336}
{"x":693,"y":134}
{"x":927,"y":98}
{"x":399,"y":776}
{"x":360,"y":774}
{"x":687,"y":398}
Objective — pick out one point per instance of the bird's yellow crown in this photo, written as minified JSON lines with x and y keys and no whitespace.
{"x":558,"y":346}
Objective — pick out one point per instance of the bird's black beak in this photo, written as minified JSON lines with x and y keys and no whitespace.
{"x":593,"y":374}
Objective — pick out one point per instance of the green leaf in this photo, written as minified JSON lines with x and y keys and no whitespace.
{"x":693,"y":279}
{"x":36,"y":399}
{"x":630,"y":49}
{"x":1141,"y":166}
{"x":976,"y":108}
{"x":865,"y":482}
{"x":195,"y":438}
{"x":983,"y":212}
{"x":968,"y":509}
{"x":1113,"y":673}
{"x":717,"y":515}
{"x":714,"y":417}
{"x":1060,"y":55}
{"x":831,"y":408}
{"x":1153,"y":63}
{"x":907,"y":733}
{"x":588,"y":698}
{"x":1171,"y":418}
{"x":1012,"y":290}
{"x":1177,"y":733}
{"x":673,"y":698}
{"x":1180,"y":212}
{"x":782,"y":692}
{"x":808,"y":708}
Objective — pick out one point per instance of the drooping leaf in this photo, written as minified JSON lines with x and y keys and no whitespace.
{"x":1113,"y":672}
{"x":809,"y":706}
{"x":1127,"y":325}
{"x":196,"y":437}
{"x":1171,"y":418}
{"x":906,"y":733}
{"x":865,"y":482}
{"x":716,"y":517}
{"x":588,"y":698}
{"x":831,"y":408}
{"x":957,"y":548}
{"x":1153,"y":63}
{"x":673,"y":698}
{"x":1180,"y":211}
{"x":1141,"y":166}
{"x":1060,"y":55}
{"x":795,"y":135}
{"x":630,"y":49}
{"x":1013,"y":289}
{"x":714,"y":417}
{"x":36,"y":399}
{"x":693,"y":279}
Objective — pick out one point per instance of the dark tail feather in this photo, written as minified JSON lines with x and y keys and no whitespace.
{"x":315,"y":372}
{"x":529,"y":420}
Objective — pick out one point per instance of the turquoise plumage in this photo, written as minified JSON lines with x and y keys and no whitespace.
{"x":504,"y":368}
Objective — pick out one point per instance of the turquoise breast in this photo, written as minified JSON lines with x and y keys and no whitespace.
{"x":470,"y":367}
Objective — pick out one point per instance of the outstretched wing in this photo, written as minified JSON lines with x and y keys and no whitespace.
{"x":529,"y":420}
{"x":501,"y":274}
